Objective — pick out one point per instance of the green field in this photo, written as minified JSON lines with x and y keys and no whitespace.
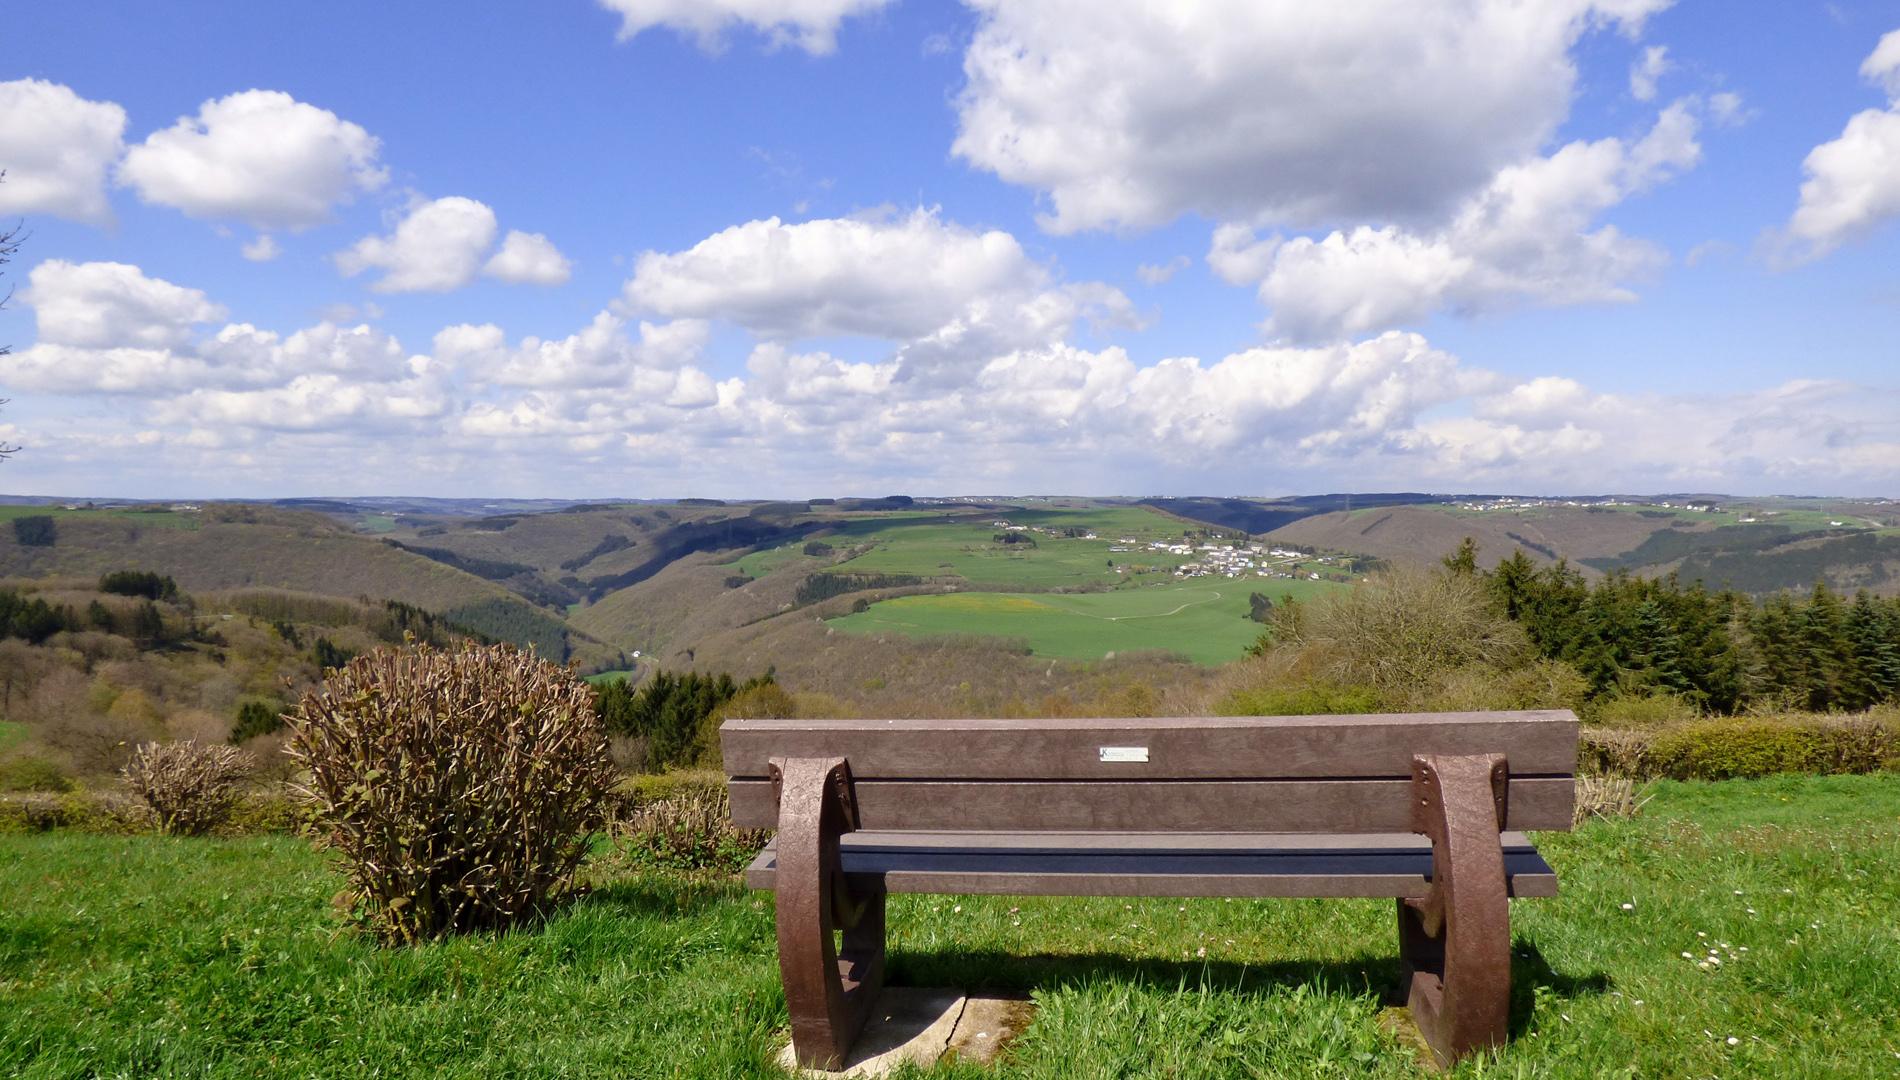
{"x":970,"y":551}
{"x":142,"y":956}
{"x":1204,"y":619}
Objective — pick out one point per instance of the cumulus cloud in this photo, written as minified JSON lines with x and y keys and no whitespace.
{"x":109,"y":328}
{"x":1853,"y":182}
{"x":259,"y":156}
{"x":109,"y":304}
{"x":599,"y":356}
{"x":897,"y":278}
{"x":56,"y":147}
{"x":811,"y":25}
{"x":624,"y":402}
{"x":1526,"y":237}
{"x":438,"y":246}
{"x":1129,"y":113}
{"x":529,"y":259}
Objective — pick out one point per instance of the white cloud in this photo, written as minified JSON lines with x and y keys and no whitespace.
{"x":1267,"y":111}
{"x":1882,"y":66}
{"x":1853,"y":182}
{"x":1159,"y":273}
{"x":56,"y":147}
{"x":889,"y":277}
{"x":437,"y":247}
{"x":259,"y":156}
{"x":599,"y":355}
{"x":1647,"y":71}
{"x":1525,"y":238}
{"x":529,"y":259}
{"x":262,"y":249}
{"x":811,"y":25}
{"x":109,"y":304}
{"x":624,"y":406}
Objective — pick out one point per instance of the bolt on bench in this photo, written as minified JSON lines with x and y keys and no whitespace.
{"x":1428,"y":808}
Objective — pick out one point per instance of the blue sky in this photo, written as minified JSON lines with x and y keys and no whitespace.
{"x":653,"y":248}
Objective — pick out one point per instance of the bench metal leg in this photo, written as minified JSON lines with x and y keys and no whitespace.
{"x":828,"y":989}
{"x":1455,"y":943}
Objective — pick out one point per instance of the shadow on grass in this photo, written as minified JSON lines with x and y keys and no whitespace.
{"x":1531,"y":975}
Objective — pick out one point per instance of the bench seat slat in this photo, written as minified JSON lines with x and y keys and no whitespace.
{"x":1201,"y":747}
{"x":1149,"y":864}
{"x":1334,"y":806}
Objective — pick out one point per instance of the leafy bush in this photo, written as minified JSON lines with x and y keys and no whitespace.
{"x":1749,"y":747}
{"x":35,"y":530}
{"x":144,"y":584}
{"x":458,"y":787}
{"x":33,"y":773}
{"x":256,"y":718}
{"x":189,"y":786}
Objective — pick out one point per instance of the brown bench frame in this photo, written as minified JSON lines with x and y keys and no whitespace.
{"x":1454,"y":942}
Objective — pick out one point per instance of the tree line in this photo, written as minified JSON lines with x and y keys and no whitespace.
{"x":1721,"y":650}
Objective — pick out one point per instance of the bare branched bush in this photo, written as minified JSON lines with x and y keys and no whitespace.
{"x":457,"y":786}
{"x":190,"y":786}
{"x":689,"y":829}
{"x":1401,"y":634}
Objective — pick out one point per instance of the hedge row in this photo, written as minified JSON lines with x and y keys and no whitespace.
{"x":1747,"y":747}
{"x":121,"y":813}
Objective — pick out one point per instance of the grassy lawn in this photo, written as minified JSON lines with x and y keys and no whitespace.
{"x":147,"y":957}
{"x":1205,"y":619}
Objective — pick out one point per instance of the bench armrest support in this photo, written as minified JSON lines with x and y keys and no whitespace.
{"x":1455,"y":941}
{"x":828,"y":989}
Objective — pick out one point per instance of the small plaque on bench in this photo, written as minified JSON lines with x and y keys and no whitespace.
{"x":1124,"y":753}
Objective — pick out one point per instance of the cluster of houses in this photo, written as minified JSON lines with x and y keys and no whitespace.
{"x":1044,"y":530}
{"x":1523,"y":503}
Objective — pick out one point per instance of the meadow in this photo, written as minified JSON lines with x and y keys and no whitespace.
{"x":1740,"y":928}
{"x":1204,"y":619}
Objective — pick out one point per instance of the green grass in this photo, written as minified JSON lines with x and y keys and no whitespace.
{"x":157,"y":957}
{"x":376,"y":523}
{"x":1204,"y":619}
{"x":602,"y":678}
{"x":12,"y":732}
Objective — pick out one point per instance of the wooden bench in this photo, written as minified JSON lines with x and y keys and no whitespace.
{"x":1428,"y":808}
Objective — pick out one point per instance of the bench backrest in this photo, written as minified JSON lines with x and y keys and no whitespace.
{"x":1327,"y":774}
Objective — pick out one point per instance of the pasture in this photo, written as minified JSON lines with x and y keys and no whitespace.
{"x":1740,"y":928}
{"x":968,"y":548}
{"x":1204,"y":619}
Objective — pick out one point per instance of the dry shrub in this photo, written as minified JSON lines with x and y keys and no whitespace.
{"x":457,"y":786}
{"x":689,"y":829}
{"x":1540,"y":684}
{"x":1607,"y":797}
{"x":1642,"y":712}
{"x":1402,"y":633}
{"x":189,"y":786}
